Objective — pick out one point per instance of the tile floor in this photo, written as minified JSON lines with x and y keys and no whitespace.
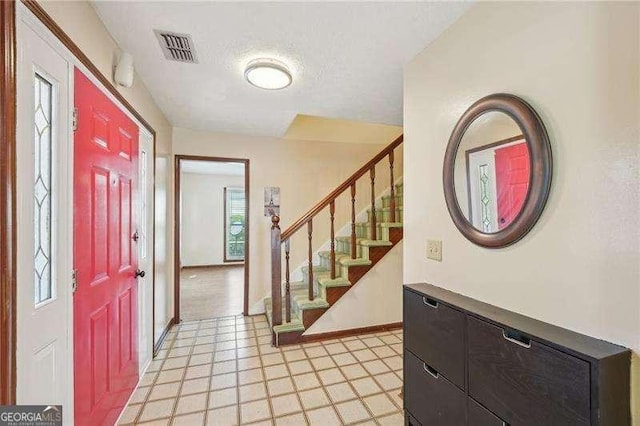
{"x":225,"y":372}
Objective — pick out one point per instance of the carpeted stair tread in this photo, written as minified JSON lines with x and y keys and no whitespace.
{"x":304,"y":303}
{"x":336,"y":282}
{"x":294,"y":325}
{"x":355,"y":262}
{"x":375,"y":243}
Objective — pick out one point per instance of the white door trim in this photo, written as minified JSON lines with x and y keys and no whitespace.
{"x":24,"y":17}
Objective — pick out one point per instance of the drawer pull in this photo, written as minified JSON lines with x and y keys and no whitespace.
{"x":517,"y":338}
{"x":430,"y":302}
{"x":430,"y":370}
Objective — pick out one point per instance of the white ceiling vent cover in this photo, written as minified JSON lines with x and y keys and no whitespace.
{"x":177,"y":47}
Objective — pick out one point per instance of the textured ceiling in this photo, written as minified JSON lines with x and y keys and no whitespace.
{"x":346,"y":58}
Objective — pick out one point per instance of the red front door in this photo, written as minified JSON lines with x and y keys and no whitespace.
{"x":104,"y":305}
{"x":512,"y":181}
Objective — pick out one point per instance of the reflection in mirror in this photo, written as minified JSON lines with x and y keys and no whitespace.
{"x":492,"y":172}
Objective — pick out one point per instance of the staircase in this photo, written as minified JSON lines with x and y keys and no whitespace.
{"x":302,"y":303}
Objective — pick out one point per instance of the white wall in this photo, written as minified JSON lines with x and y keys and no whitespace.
{"x":305,"y":171}
{"x":577,"y":64}
{"x":163,"y":290}
{"x":202,"y":227}
{"x":374,"y":300}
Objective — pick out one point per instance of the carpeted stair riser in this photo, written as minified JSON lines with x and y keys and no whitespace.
{"x":386,"y":201}
{"x":384,"y":214}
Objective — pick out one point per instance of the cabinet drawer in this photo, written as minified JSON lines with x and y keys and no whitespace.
{"x":430,"y":397}
{"x":525,"y":382}
{"x":435,"y":333}
{"x":480,"y":416}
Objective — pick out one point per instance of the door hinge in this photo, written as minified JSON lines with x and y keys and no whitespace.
{"x":74,"y":280}
{"x":75,"y":119}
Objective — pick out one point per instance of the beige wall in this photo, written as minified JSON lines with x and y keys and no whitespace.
{"x":577,"y":64}
{"x":202,"y":227}
{"x":80,"y":22}
{"x":305,"y":172}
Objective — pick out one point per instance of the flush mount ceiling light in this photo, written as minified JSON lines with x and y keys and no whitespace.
{"x":268,"y":74}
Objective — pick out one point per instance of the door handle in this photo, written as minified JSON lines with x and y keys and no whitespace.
{"x":140,"y":273}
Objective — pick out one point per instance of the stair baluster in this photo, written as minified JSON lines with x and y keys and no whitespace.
{"x":287,"y":285}
{"x":353,"y":220}
{"x":332,"y":212}
{"x":374,"y":227}
{"x":276,"y":271}
{"x":392,"y":204}
{"x":310,"y":232}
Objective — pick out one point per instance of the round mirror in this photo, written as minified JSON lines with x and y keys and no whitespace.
{"x":497,"y":171}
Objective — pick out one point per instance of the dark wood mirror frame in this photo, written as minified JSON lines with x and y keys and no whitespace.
{"x":537,"y":139}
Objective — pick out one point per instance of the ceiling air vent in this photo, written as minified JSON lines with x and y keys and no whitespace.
{"x":177,"y":47}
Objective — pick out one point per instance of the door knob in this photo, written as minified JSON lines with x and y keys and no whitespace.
{"x":139,"y":273}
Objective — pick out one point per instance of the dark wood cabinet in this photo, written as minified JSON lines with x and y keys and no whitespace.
{"x":470,"y":363}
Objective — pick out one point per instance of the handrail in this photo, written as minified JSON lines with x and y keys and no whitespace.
{"x":339,"y":190}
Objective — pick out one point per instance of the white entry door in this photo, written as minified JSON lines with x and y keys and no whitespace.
{"x":44,"y":159}
{"x":145,"y":249}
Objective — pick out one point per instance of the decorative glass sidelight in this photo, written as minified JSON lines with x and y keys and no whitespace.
{"x":42,"y":212}
{"x":235,"y":223}
{"x":484,"y":198}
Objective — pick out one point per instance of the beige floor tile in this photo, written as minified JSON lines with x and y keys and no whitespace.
{"x":394,"y":395}
{"x":294,"y":355}
{"x":199,"y":359}
{"x":299,"y":367}
{"x":379,"y":404}
{"x":340,"y":392}
{"x":250,"y":376}
{"x":280,"y":386}
{"x":344,"y":359}
{"x":326,"y":416}
{"x":200,"y":371}
{"x":248,"y":352}
{"x":129,"y":414}
{"x":224,"y":355}
{"x":397,"y":348}
{"x":182,"y":343}
{"x":323,"y":363}
{"x":390,"y":339}
{"x":224,"y":367}
{"x":285,"y":404}
{"x":226,"y":337}
{"x":396,"y":419}
{"x":268,"y":349}
{"x":375,"y":367}
{"x":222,"y":397}
{"x":272,"y":359}
{"x":223,"y":346}
{"x":192,"y":403}
{"x":252,"y":392}
{"x":364,"y":355}
{"x":316,"y":351}
{"x":372,"y":342}
{"x":202,"y":349}
{"x":245,"y":334}
{"x":204,"y":340}
{"x":313,"y":398}
{"x":163,"y":391}
{"x":297,"y":419}
{"x":366,"y":386}
{"x":157,"y":409}
{"x":355,"y":345}
{"x":140,"y":395}
{"x":354,"y":371}
{"x":195,"y":386}
{"x":262,"y":340}
{"x":223,"y":381}
{"x":244,"y":343}
{"x":388,"y":381}
{"x":226,"y":416}
{"x":195,"y":419}
{"x":158,"y":422}
{"x":249,"y":363}
{"x":394,"y":363}
{"x":155,"y":365}
{"x":383,"y":351}
{"x":275,"y":371}
{"x":177,"y":362}
{"x":254,"y":411}
{"x":170,"y":376}
{"x":149,"y":378}
{"x":331,"y":376}
{"x":352,"y":411}
{"x":306,"y":381}
{"x":335,"y":348}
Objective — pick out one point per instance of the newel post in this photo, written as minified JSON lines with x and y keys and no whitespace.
{"x":276,"y":271}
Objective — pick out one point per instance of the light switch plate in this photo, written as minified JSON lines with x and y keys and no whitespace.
{"x":434,"y":250}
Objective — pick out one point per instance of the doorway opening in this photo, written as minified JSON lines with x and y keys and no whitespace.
{"x":212,"y":237}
